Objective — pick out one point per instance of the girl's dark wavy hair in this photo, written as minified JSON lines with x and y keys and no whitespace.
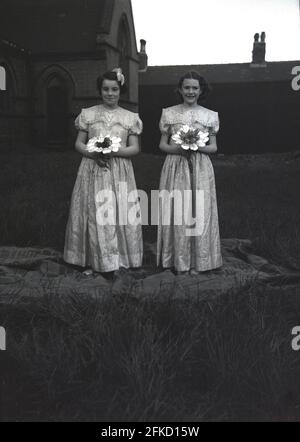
{"x":194,"y":75}
{"x":110,"y":75}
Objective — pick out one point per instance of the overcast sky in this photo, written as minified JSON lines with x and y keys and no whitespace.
{"x":216,"y":31}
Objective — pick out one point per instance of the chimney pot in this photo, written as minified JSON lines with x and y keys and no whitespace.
{"x":143,"y":57}
{"x":259,"y":50}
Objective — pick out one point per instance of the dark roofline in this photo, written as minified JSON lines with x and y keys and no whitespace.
{"x":221,"y":73}
{"x":13,"y":47}
{"x":199,"y":66}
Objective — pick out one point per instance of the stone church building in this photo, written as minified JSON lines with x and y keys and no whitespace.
{"x":51,"y":53}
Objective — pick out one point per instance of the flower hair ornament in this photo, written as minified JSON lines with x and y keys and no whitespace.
{"x":120,"y":75}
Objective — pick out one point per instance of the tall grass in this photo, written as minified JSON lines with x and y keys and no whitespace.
{"x":226,"y":358}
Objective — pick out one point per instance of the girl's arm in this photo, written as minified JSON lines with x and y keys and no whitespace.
{"x":212,"y":147}
{"x":80,"y":146}
{"x":131,"y":150}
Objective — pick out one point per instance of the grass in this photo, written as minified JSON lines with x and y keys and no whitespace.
{"x":223,"y":359}
{"x":227,"y":358}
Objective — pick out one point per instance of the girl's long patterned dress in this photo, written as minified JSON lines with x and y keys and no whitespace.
{"x":90,"y":243}
{"x":175,"y":248}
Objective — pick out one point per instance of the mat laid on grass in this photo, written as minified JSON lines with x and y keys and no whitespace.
{"x":33,"y":272}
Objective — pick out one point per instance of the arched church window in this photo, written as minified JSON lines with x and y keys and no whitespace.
{"x":2,"y":78}
{"x":57,"y":110}
{"x":5,"y":89}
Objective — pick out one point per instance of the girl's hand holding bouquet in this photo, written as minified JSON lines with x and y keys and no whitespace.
{"x":102,"y":147}
{"x":190,"y":139}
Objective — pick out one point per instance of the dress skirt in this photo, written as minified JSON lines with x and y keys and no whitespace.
{"x":176,"y":248}
{"x":94,"y":235}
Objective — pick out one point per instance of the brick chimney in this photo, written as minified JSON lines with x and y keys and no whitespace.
{"x":259,"y":50}
{"x":143,"y":57}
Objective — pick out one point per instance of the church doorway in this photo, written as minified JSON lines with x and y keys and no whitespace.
{"x":57,"y":111}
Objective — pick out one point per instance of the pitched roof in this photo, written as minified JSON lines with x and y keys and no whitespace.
{"x":55,"y":25}
{"x":220,"y":73}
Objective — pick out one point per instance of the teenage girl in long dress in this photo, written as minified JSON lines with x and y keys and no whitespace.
{"x":89,"y":243}
{"x":176,"y":249}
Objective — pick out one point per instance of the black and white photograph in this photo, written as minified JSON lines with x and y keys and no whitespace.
{"x":149,"y":213}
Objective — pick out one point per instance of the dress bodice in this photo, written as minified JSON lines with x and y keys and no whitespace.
{"x":176,"y":116}
{"x":98,"y":120}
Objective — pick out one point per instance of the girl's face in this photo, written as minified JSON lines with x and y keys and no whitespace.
{"x":110,"y":93}
{"x":190,"y":91}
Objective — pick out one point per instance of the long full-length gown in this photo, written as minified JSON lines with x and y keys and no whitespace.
{"x":105,"y":247}
{"x":175,"y":248}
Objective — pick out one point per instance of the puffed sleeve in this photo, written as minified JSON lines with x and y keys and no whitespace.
{"x":164,"y":126}
{"x":81,"y":123}
{"x":136,"y":125}
{"x":215,"y":124}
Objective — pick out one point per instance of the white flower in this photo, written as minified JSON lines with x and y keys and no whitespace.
{"x":120,"y":75}
{"x":203,"y":139}
{"x":114,"y":147}
{"x":106,"y":150}
{"x":177,"y":138}
{"x":185,"y":129}
{"x":116,"y":144}
{"x":190,"y":138}
{"x":116,"y":140}
{"x":204,"y":136}
{"x":91,"y":145}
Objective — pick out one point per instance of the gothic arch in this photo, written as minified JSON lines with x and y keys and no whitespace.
{"x":45,"y":78}
{"x":124,"y":37}
{"x":124,"y":45}
{"x":54,"y":92}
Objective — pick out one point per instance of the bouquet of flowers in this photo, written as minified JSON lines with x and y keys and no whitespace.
{"x":104,"y":144}
{"x":190,"y":138}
